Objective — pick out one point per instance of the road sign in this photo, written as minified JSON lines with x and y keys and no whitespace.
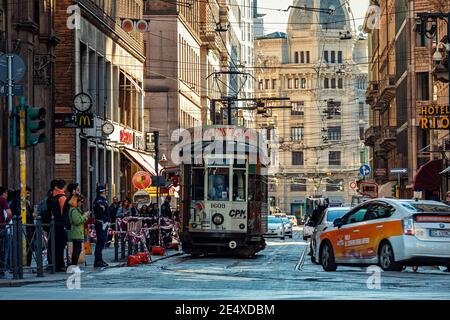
{"x":368,"y":189}
{"x":365,"y":170}
{"x":141,"y":180}
{"x":66,"y":120}
{"x":398,"y":171}
{"x":353,"y":185}
{"x":17,"y":90}
{"x":380,"y":172}
{"x":18,"y":68}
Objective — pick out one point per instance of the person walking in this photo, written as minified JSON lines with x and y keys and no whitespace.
{"x":5,"y":218}
{"x":30,"y":229}
{"x":165,"y":208}
{"x":153,"y":210}
{"x":102,"y":218}
{"x":124,"y":210}
{"x":76,"y":233}
{"x":57,"y":202}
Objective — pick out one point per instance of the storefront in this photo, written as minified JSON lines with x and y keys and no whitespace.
{"x":428,"y":180}
{"x":298,"y":207}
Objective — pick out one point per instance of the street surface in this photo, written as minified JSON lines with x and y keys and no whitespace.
{"x":276,"y":273}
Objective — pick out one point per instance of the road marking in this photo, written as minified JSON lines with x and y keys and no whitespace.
{"x":301,"y":261}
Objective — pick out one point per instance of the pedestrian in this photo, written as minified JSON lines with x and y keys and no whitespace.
{"x":144,"y":212}
{"x":113,"y":208}
{"x":77,"y":219}
{"x":72,"y":190}
{"x":153,"y":210}
{"x":165,"y":208}
{"x":5,"y":218}
{"x":56,"y":205}
{"x":134,"y":212}
{"x":102,"y":218}
{"x":124,"y":210}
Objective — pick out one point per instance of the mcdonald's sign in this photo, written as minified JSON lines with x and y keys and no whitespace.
{"x":85,"y":120}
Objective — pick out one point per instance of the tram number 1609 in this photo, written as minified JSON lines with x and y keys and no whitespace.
{"x":217,"y":205}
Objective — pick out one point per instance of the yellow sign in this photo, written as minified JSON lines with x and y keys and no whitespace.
{"x":434,"y":117}
{"x":162,"y":192}
{"x":85,"y":120}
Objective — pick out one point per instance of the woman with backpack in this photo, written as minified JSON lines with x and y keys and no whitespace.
{"x":77,"y":220}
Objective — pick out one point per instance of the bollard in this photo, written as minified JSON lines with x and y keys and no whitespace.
{"x":52,"y":244}
{"x":15,"y":232}
{"x":39,"y":262}
{"x":20,"y":246}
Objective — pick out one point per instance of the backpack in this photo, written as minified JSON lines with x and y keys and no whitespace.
{"x":66,"y":215}
{"x":44,"y":210}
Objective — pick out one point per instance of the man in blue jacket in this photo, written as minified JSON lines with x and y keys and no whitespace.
{"x":102,"y":219}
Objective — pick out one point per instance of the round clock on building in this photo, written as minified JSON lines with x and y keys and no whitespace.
{"x":82,"y":102}
{"x":108,"y":128}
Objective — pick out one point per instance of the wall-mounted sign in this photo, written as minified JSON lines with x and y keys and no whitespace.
{"x":85,"y":120}
{"x":368,"y":189}
{"x":434,"y":117}
{"x":141,"y":180}
{"x":62,"y":158}
{"x":126,"y":137}
{"x":139,"y":142}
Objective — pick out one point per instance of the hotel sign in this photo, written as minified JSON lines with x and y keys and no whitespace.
{"x":434,"y":117}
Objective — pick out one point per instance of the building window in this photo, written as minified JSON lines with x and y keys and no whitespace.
{"x":334,"y":158}
{"x":297,"y":133}
{"x":289,"y":83}
{"x":333,"y":83}
{"x":267,"y":84}
{"x":361,"y":133}
{"x":333,"y":57}
{"x":340,"y":83}
{"x":333,"y":108}
{"x":423,"y":88}
{"x":326,"y":83}
{"x":303,"y":83}
{"x":335,"y":185}
{"x":272,"y":187}
{"x":296,"y":57}
{"x":297,"y":158}
{"x":298,"y":108}
{"x":296,"y":83}
{"x":308,"y":60}
{"x":299,"y":186}
{"x":361,"y":110}
{"x":302,"y":57}
{"x":274,"y":83}
{"x":334,"y":133}
{"x":339,"y":56}
{"x":325,"y":56}
{"x":260,"y":85}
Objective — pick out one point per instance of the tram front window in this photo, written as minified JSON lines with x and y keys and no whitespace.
{"x":198,"y":184}
{"x":218,"y":184}
{"x":239,"y":185}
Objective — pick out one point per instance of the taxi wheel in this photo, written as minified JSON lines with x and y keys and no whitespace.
{"x":386,"y":258}
{"x":327,"y":257}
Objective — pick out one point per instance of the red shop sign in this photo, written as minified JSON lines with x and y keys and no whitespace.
{"x":126,"y":137}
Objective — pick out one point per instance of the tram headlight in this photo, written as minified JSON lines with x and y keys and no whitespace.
{"x":217,"y":219}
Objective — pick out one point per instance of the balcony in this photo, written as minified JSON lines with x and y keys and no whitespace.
{"x":379,"y":151}
{"x":372,"y":92}
{"x":389,"y":138}
{"x":387,"y":91}
{"x":372,"y":134}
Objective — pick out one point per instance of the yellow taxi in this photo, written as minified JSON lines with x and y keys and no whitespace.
{"x":389,"y":232}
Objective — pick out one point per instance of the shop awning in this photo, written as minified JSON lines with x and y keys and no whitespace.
{"x":428,"y":178}
{"x":145,"y":161}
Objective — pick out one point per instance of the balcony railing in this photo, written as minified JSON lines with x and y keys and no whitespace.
{"x":371,"y":135}
{"x":387,"y":91}
{"x":389,"y":138}
{"x":372,"y":92}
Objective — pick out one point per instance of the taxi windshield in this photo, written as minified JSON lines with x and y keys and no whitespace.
{"x":274,"y":220}
{"x":426,"y":207}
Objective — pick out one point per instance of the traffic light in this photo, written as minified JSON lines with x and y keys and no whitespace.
{"x":15,"y":128}
{"x":35,"y":123}
{"x":394,"y":191}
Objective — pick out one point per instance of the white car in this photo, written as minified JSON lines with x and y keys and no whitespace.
{"x":276,"y":227}
{"x":325,"y":221}
{"x":287,"y":227}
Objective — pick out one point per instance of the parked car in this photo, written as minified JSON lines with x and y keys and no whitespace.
{"x":389,"y":232}
{"x":293,"y":220}
{"x":275,"y":227}
{"x":325,"y":221}
{"x":287,"y":227}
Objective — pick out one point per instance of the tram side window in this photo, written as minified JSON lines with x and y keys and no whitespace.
{"x":198,"y":184}
{"x":218,"y":184}
{"x":239,"y":185}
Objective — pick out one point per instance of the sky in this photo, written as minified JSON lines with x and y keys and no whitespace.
{"x":277,"y":21}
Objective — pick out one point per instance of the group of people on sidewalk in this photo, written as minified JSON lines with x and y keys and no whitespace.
{"x":65,"y":203}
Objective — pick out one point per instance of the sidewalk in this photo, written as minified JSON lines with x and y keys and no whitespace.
{"x":108,"y":256}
